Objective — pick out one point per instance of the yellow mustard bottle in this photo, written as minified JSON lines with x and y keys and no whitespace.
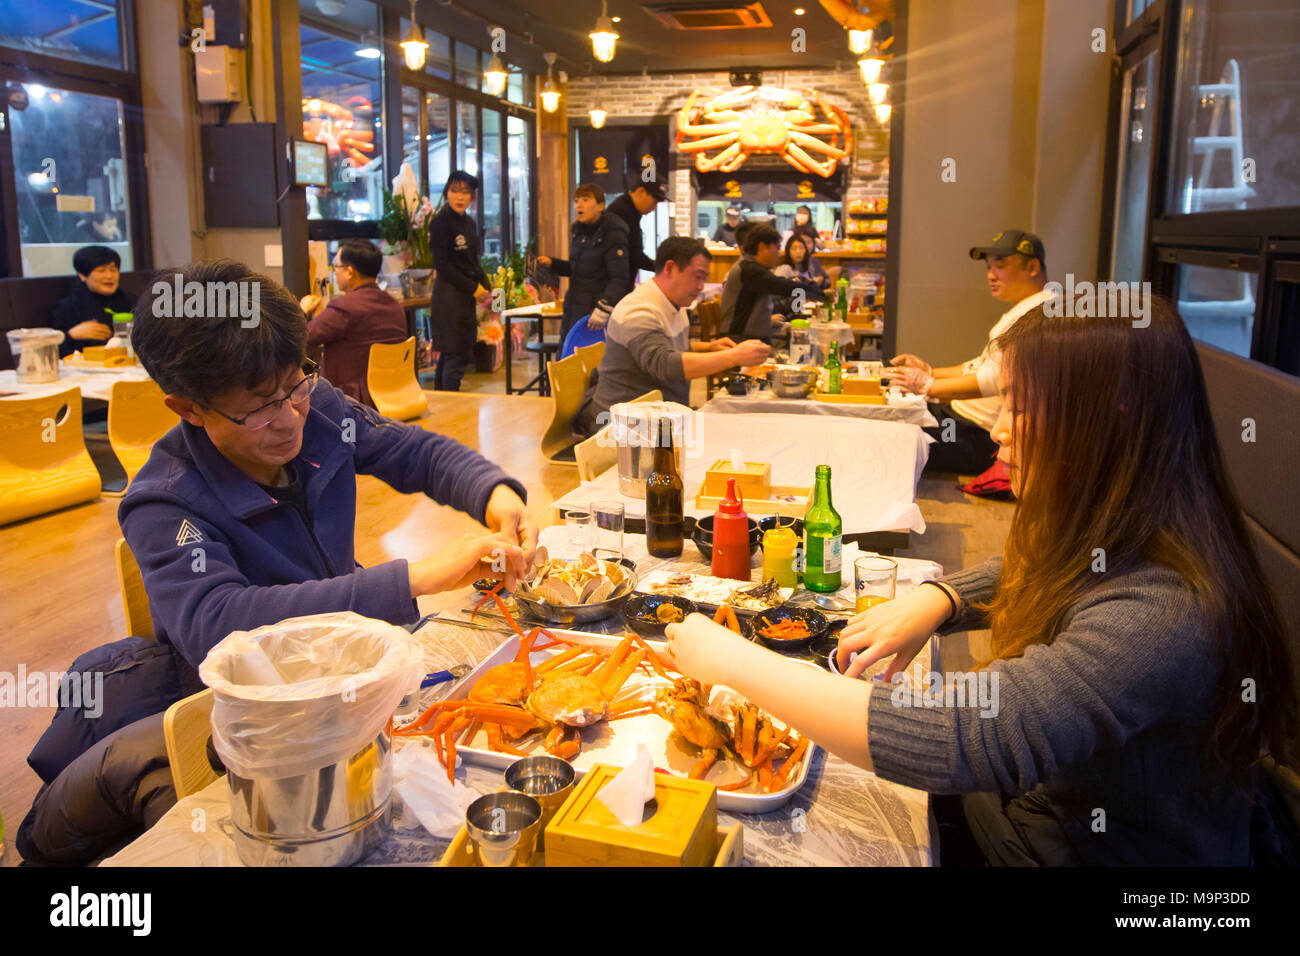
{"x":778,"y":556}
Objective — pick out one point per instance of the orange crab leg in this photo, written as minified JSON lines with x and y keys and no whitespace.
{"x":727,"y":617}
{"x":787,"y":768}
{"x":705,"y":764}
{"x":613,"y":661}
{"x":765,"y":775}
{"x":625,"y":707}
{"x":747,"y":736}
{"x":557,"y":660}
{"x":652,"y":657}
{"x":620,"y":676}
{"x":496,"y":742}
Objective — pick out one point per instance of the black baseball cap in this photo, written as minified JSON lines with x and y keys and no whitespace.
{"x":1010,"y":241}
{"x":653,"y":188}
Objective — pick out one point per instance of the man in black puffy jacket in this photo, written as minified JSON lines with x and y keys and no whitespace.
{"x":639,"y":201}
{"x":597,"y":267}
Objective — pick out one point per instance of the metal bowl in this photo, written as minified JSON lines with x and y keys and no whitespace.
{"x":580,"y":613}
{"x":792,"y":382}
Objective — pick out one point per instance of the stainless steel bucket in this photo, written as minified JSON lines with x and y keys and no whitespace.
{"x":36,"y":352}
{"x":333,"y":816}
{"x":634,"y":428}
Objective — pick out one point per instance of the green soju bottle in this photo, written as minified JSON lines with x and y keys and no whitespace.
{"x":833,"y":370}
{"x":842,"y":300}
{"x":822,"y":533}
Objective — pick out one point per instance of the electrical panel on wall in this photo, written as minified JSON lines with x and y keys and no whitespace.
{"x":240,"y":175}
{"x":219,"y":74}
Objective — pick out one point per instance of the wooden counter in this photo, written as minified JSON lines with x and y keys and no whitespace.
{"x":724,"y":259}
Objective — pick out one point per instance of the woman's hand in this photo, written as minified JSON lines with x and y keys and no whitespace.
{"x":544,"y":260}
{"x":507,"y":513}
{"x":474,"y":556}
{"x":899,"y":627}
{"x":911,"y":379}
{"x":911,"y":361}
{"x":701,"y":649}
{"x":90,"y":329}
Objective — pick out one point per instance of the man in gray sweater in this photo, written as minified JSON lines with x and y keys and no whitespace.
{"x":647,"y":344}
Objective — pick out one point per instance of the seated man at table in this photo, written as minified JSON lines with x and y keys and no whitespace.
{"x":84,"y":316}
{"x":245,"y":513}
{"x":964,"y":398}
{"x":648,"y":344}
{"x":750,"y":285}
{"x":364,"y":315}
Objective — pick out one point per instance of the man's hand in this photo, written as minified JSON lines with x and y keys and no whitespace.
{"x":911,"y":361}
{"x":911,"y":379}
{"x":90,"y":329}
{"x":474,"y":556}
{"x":507,"y":514}
{"x":752,"y":352}
{"x":717,"y":345}
{"x":311,"y":305}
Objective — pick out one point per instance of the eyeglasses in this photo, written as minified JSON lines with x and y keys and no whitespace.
{"x":298,"y":396}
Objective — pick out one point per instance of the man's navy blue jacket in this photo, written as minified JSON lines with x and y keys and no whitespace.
{"x":219,"y":554}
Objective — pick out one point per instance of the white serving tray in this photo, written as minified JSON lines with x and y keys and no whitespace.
{"x":615,"y":743}
{"x":705,"y":590}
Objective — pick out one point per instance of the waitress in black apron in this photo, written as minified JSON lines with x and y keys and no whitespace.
{"x":460,"y":280}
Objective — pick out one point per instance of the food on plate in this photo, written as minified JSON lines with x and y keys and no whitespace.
{"x":669,"y":614}
{"x":791,"y":629}
{"x":727,"y":618}
{"x":587,"y":580}
{"x":706,"y":589}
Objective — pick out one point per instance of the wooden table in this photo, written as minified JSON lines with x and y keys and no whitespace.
{"x":58,"y":582}
{"x":94,"y":383}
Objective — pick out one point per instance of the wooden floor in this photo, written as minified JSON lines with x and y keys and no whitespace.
{"x":59,"y":593}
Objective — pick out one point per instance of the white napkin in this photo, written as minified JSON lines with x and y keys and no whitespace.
{"x":427,"y":793}
{"x":737,"y":460}
{"x":627,"y":794}
{"x":253,"y":666}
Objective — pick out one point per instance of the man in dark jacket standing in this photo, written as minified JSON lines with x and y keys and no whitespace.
{"x":597,"y":267}
{"x":349,"y":324}
{"x":637,"y":202}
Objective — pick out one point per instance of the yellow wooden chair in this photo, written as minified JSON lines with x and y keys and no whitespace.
{"x":591,"y":356}
{"x":568,"y":385}
{"x":135,"y":602}
{"x":137,"y":418}
{"x":44,"y":464}
{"x":710,"y":315}
{"x":391,"y":379}
{"x":187,"y":725}
{"x":598,"y":453}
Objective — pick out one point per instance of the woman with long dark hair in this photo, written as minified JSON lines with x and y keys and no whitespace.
{"x":459,"y":283}
{"x":1138,"y":666}
{"x":797,"y":262}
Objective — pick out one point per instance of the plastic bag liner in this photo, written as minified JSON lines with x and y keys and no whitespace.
{"x":292,"y":697}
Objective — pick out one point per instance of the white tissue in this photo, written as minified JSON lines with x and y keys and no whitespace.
{"x":724,"y":702}
{"x":427,"y":793}
{"x":627,"y":794}
{"x":737,"y":460}
{"x":253,"y":666}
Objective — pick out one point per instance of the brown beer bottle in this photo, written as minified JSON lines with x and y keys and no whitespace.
{"x":663,"y":498}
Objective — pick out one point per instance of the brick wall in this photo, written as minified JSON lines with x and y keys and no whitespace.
{"x":662,"y":94}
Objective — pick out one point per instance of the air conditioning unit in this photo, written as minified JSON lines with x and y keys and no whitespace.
{"x":716,"y":15}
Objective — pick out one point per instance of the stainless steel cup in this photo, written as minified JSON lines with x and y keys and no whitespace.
{"x":503,"y":827}
{"x":548,"y":780}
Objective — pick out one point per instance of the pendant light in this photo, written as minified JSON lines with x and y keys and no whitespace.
{"x":882,"y":114}
{"x":550,"y":93}
{"x":870,"y":67}
{"x":494,"y":77}
{"x":603,"y":37}
{"x":859,"y":41}
{"x":877,"y":93}
{"x":414,"y":46}
{"x":597,"y":114}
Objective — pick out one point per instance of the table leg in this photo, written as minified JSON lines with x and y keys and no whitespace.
{"x":507,"y":345}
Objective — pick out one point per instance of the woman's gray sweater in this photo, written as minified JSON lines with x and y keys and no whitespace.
{"x":1109,"y":723}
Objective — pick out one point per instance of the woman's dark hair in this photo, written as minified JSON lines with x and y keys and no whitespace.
{"x":592,"y":191}
{"x":217,"y":325}
{"x":458,"y":178}
{"x":806,"y":209}
{"x":1118,"y":452}
{"x":761,"y":235}
{"x":681,"y":250}
{"x":807,"y":253}
{"x":361,"y":255}
{"x":89,"y":258}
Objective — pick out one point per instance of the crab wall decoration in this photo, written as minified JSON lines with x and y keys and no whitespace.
{"x":763,"y":119}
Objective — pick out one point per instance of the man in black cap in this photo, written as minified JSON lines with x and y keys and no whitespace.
{"x":964,"y":398}
{"x":638,"y":201}
{"x":726,"y":231}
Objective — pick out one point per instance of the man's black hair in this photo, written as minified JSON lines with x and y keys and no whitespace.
{"x":592,"y":190}
{"x":361,"y":255}
{"x":200,"y":357}
{"x":761,"y":235}
{"x":743,"y":230}
{"x":89,"y":258}
{"x":681,"y":250}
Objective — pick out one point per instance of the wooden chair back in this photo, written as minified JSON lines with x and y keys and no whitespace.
{"x":44,"y":464}
{"x":137,"y":418}
{"x":568,"y":385}
{"x":390,"y":377}
{"x":135,"y":602}
{"x":187,"y":725}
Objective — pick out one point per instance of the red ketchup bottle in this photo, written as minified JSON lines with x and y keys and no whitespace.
{"x":731,"y":536}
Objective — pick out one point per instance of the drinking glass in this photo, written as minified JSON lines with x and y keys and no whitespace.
{"x":582,"y":533}
{"x":609,"y":526}
{"x":874,"y":580}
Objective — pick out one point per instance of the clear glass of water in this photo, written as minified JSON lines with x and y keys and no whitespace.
{"x":609,"y":526}
{"x":582,"y":533}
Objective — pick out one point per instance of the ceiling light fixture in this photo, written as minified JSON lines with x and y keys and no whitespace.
{"x":877,"y":93}
{"x":882,"y":114}
{"x":414,"y":47}
{"x":369,"y":48}
{"x":550,"y":93}
{"x":859,"y":41}
{"x":598,"y":115}
{"x":870,"y":67}
{"x":798,"y":11}
{"x":494,"y":77}
{"x":603,"y":37}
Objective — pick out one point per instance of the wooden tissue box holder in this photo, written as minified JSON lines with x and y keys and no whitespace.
{"x":754,"y":482}
{"x":859,"y":386}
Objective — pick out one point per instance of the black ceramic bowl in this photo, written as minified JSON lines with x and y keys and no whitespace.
{"x":815,"y":620}
{"x":737,"y":384}
{"x":640,"y":604}
{"x":772,"y":522}
{"x":702,"y":535}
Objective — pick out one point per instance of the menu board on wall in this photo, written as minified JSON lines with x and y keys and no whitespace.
{"x":768,"y":185}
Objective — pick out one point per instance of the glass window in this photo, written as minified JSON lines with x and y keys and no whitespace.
{"x":467,"y":138}
{"x":1218,"y":306}
{"x":1236,"y":107}
{"x":437,"y":139}
{"x":85,"y":30}
{"x":340,"y":108}
{"x":411,"y":128}
{"x":519,"y":176}
{"x":70,"y":176}
{"x":467,"y":70}
{"x":1137,"y":120}
{"x":515,"y":87}
{"x":491,"y":179}
{"x":1135,"y":9}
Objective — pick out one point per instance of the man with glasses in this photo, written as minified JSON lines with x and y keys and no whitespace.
{"x":245,"y":513}
{"x":346,"y":326}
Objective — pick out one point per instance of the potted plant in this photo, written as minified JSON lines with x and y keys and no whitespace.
{"x":404,"y":226}
{"x":509,"y":291}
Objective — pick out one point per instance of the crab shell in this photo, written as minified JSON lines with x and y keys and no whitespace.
{"x":570,"y":699}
